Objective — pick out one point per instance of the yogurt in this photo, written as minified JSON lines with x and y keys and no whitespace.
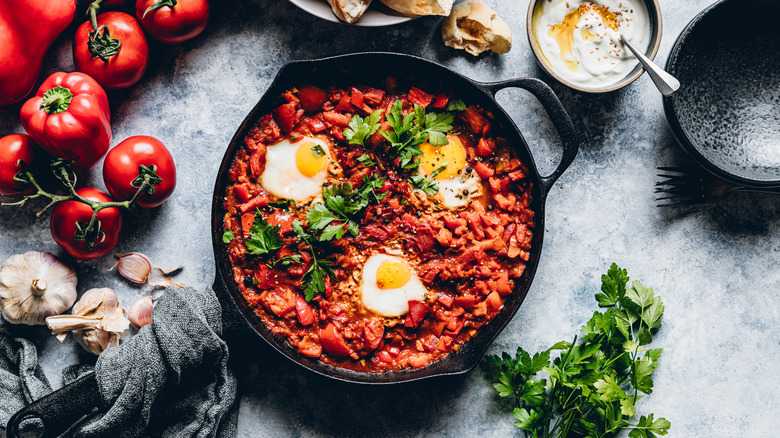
{"x":579,"y":38}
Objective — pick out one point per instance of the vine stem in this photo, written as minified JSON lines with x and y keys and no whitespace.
{"x":68,"y":179}
{"x":93,"y":8}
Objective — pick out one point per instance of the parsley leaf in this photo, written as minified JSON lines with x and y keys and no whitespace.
{"x":317,"y":151}
{"x":365,"y":160}
{"x":455,"y":105}
{"x":228,"y":236}
{"x":596,"y":382}
{"x":360,"y":128}
{"x":428,"y":185}
{"x":263,"y":238}
{"x":284,"y":204}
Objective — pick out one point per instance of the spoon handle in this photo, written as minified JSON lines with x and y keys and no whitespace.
{"x":666,"y":83}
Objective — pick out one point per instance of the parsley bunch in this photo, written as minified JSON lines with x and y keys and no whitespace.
{"x":414,"y":129}
{"x":313,"y":280}
{"x":342,"y":203}
{"x":360,"y":129}
{"x":593,"y":385}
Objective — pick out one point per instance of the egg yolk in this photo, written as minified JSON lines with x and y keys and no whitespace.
{"x":392,"y":274}
{"x":307,"y":161}
{"x":453,"y":154}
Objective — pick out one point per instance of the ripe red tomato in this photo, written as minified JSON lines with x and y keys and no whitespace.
{"x":66,"y":214}
{"x":122,"y":69}
{"x":121,"y":167}
{"x":14,"y":147}
{"x":175,"y":21}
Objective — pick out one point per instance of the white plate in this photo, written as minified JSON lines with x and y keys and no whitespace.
{"x":377,"y":14}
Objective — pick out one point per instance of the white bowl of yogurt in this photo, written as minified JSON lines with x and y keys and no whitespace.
{"x":577,"y":41}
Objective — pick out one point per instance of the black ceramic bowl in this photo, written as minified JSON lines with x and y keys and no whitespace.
{"x":726,"y":114}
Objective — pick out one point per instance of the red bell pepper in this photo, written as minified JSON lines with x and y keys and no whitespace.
{"x":69,"y":118}
{"x":29,"y":27}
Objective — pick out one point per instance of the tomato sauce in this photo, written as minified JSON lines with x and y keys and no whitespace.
{"x":467,"y":258}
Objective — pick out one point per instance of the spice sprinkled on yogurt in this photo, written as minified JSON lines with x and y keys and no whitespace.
{"x":579,"y":39}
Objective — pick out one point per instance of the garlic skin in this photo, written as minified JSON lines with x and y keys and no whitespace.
{"x":98,"y":321}
{"x":140,"y":313}
{"x":34,"y":286}
{"x":137,"y":268}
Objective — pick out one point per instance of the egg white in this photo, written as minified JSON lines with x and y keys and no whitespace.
{"x":458,"y":191}
{"x":281,"y":176}
{"x":388,"y":302}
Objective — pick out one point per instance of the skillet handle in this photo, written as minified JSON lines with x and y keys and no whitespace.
{"x":558,"y":115}
{"x":59,"y":410}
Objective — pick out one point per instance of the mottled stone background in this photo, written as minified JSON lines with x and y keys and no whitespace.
{"x":716,"y":266}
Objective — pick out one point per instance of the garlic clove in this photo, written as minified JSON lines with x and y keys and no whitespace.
{"x":34,"y":286}
{"x":157,"y":278}
{"x":140,"y":313}
{"x":134,"y":267}
{"x":137,"y":268}
{"x":98,"y":321}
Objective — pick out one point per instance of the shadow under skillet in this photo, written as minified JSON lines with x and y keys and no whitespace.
{"x":310,"y":402}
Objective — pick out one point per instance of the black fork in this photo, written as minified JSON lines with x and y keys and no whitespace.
{"x":681,"y":186}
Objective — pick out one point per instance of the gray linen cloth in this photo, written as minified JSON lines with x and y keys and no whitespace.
{"x":169,"y":380}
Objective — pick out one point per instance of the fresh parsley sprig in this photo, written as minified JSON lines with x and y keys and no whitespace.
{"x":263,"y":238}
{"x":593,"y":385}
{"x":313,"y":280}
{"x":336,"y":216}
{"x":360,"y":129}
{"x":428,"y":185}
{"x":413,"y":129}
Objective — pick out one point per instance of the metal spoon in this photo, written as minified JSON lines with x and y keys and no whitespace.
{"x":666,"y":83}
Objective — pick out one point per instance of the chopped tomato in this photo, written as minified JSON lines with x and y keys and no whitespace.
{"x":485,"y":147}
{"x":473,"y":116}
{"x":441,"y":101}
{"x":261,"y":200}
{"x":310,"y":346}
{"x":333,"y":342}
{"x":242,"y":192}
{"x":373,"y":332}
{"x":286,"y":116}
{"x":246,"y":223}
{"x":305,"y":311}
{"x":417,"y":312}
{"x":312,"y":98}
{"x":356,"y":98}
{"x":483,"y":170}
{"x":419,"y":97}
{"x":336,"y":119}
{"x":374,"y":96}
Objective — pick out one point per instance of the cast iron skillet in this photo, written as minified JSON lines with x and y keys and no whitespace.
{"x":60,"y":409}
{"x":726,"y":115}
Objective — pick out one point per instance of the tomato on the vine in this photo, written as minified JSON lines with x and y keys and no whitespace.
{"x":13,"y":148}
{"x":173,"y":21}
{"x":70,"y":216}
{"x":100,"y":54}
{"x":121,"y":171}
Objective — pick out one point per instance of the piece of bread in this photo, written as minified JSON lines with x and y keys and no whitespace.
{"x":474,"y":27}
{"x":420,"y":7}
{"x":349,"y":10}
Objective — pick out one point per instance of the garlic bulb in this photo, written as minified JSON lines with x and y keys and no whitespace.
{"x":140,"y":313}
{"x":137,"y":268}
{"x":97,"y":322}
{"x":34,"y":286}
